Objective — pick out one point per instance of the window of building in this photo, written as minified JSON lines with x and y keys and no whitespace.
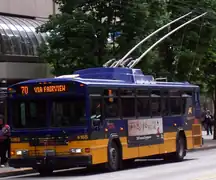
{"x":68,"y":112}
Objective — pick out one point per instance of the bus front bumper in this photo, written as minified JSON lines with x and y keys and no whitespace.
{"x":55,"y":162}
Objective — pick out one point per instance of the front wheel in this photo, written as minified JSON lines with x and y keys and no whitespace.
{"x":113,"y":157}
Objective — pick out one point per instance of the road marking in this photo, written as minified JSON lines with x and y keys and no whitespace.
{"x":208,"y":177}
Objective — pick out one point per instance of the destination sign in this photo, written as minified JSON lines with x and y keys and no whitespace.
{"x":50,"y":89}
{"x":39,"y":89}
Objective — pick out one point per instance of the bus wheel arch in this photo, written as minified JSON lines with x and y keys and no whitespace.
{"x":114,"y":148}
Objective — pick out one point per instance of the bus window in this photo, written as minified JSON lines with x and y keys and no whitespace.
{"x":187,"y":101}
{"x":128,"y":106}
{"x":111,"y":108}
{"x":68,"y":112}
{"x":143,"y":106}
{"x":175,"y":102}
{"x":96,"y":108}
{"x":155,"y":103}
{"x":29,"y":114}
{"x":165,"y":103}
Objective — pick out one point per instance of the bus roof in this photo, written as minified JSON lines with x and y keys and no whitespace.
{"x":118,"y":77}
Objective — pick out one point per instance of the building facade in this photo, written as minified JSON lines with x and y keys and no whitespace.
{"x":19,"y":41}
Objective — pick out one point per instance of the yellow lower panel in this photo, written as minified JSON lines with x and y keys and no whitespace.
{"x":128,"y":153}
{"x":169,"y":143}
{"x":189,"y":138}
{"x":98,"y":149}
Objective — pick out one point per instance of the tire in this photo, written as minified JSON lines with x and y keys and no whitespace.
{"x":113,"y":163}
{"x":180,"y":151}
{"x":45,"y":171}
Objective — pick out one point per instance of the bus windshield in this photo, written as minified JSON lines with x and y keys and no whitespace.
{"x":62,"y":112}
{"x":29,"y":113}
{"x":68,"y":112}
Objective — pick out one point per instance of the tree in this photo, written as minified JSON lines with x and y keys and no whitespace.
{"x":78,"y":35}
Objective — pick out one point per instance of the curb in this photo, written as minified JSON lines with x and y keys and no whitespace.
{"x":203,"y":148}
{"x":17,"y":173}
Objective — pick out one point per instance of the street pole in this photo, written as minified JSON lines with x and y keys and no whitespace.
{"x":164,"y":37}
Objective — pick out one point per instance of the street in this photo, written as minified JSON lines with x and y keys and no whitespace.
{"x":200,"y":165}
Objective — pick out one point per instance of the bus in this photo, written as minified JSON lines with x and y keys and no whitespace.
{"x":101,"y":116}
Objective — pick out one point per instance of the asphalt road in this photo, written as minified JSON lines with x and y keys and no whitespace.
{"x":200,"y":165}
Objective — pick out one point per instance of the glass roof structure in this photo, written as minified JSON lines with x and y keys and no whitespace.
{"x":18,"y":36}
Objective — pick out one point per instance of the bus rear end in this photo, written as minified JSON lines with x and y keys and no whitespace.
{"x":47,"y":126}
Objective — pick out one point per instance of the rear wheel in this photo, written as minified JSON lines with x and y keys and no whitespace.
{"x":180,"y":151}
{"x":113,"y":163}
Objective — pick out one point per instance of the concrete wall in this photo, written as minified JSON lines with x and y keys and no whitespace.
{"x":36,"y":8}
{"x":17,"y":70}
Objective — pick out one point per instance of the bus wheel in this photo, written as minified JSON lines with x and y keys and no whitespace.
{"x":45,"y":171}
{"x":113,"y":157}
{"x":180,"y":151}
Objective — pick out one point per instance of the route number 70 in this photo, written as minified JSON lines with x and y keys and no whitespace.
{"x":24,"y":89}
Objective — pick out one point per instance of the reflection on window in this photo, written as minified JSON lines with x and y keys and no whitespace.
{"x":96,"y":108}
{"x":29,"y":114}
{"x":68,"y":112}
{"x":143,"y":107}
{"x":111,"y":107}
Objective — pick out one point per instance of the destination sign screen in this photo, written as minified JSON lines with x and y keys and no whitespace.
{"x":42,"y":89}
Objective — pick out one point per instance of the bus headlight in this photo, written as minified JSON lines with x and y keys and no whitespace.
{"x":21,"y":152}
{"x":76,"y":150}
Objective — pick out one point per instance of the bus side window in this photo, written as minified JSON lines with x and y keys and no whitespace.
{"x":96,"y":108}
{"x":175,"y":102}
{"x":155,"y":103}
{"x":143,"y":106}
{"x":165,"y":103}
{"x":127,"y":102}
{"x":128,"y":106}
{"x":187,"y":101}
{"x":111,"y":109}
